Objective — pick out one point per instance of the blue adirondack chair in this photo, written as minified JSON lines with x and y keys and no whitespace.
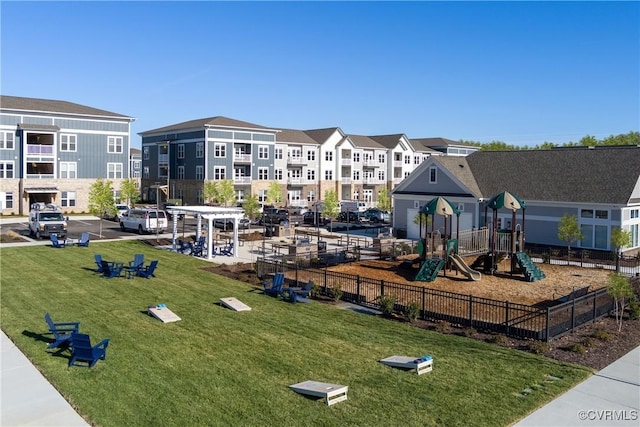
{"x":198,"y":247}
{"x":57,"y":243}
{"x":61,"y":331}
{"x":148,"y":271}
{"x":110,"y":270}
{"x":84,"y":239}
{"x":305,"y":290}
{"x":98,"y":260}
{"x":137,"y":263}
{"x":227,"y":250}
{"x":83,"y":351}
{"x":274,"y":288}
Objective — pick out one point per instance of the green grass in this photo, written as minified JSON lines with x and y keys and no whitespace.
{"x":219,"y":367}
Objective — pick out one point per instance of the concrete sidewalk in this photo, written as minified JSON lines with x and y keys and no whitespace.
{"x":611,"y":397}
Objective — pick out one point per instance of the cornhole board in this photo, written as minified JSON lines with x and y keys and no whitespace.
{"x":332,"y":393}
{"x":234,"y":304}
{"x":163,"y":314}
{"x":421,"y":366}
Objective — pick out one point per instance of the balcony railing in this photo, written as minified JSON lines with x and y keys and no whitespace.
{"x":295,"y":160}
{"x":298,"y":203}
{"x":40,"y":149}
{"x":372,"y":181}
{"x":346,"y":162}
{"x":346,"y":180}
{"x":40,"y":175}
{"x":163,"y":158}
{"x":295,"y":181}
{"x":371,"y":162}
{"x":242,"y":180}
{"x":397,"y":163}
{"x":242,"y":157}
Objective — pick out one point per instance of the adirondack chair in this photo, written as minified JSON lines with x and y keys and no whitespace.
{"x":57,"y":243}
{"x":83,"y":351}
{"x":110,"y":270}
{"x":84,"y":239}
{"x":137,"y":263}
{"x":305,"y":290}
{"x":148,"y":271}
{"x":184,"y":247}
{"x":274,"y":288}
{"x":61,"y":331}
{"x":98,"y":260}
{"x":198,"y":247}
{"x":227,"y":250}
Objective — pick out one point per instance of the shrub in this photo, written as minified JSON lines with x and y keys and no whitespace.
{"x":387,"y":304}
{"x":576,"y":348}
{"x":538,"y":347}
{"x":601,"y":335}
{"x":499,"y":339}
{"x":336,"y":291}
{"x":412,"y":311}
{"x":587,"y":342}
{"x":316,"y":290}
{"x":443,"y":327}
{"x":634,"y":309}
{"x":468,"y":332}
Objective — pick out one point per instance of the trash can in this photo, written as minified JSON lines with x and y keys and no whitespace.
{"x":322,"y":247}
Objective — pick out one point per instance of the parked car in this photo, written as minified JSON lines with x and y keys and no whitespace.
{"x":350,"y":216}
{"x":145,"y":220}
{"x":169,"y":216}
{"x":378,"y":215}
{"x":227,"y":224}
{"x":308,"y":218}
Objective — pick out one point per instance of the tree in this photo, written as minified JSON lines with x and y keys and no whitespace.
{"x":384,"y":200}
{"x":569,"y":231}
{"x":330,"y":205}
{"x":251,"y":207}
{"x":274,"y":193}
{"x":101,"y":202}
{"x":619,"y":288}
{"x":129,"y":192}
{"x":226,"y":193}
{"x":619,"y":239}
{"x":210,"y":192}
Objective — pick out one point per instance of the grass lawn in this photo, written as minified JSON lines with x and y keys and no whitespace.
{"x":220,"y":367}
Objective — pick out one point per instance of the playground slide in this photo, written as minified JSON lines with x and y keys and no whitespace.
{"x":464,"y":268}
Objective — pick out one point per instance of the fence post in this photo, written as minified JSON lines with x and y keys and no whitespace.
{"x":297,"y":268}
{"x":547,"y":328}
{"x":595,"y":301}
{"x":358,"y":289}
{"x":506,"y":315}
{"x":573,"y":314}
{"x":325,"y":281}
{"x":381,"y":288}
{"x":424,"y":303}
{"x":470,"y":310}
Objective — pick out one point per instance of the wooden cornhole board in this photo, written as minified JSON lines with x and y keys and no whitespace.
{"x":421,"y":366}
{"x":163,"y":314}
{"x":332,"y":393}
{"x":234,"y":304}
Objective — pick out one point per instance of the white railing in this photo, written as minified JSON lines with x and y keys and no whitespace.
{"x":371,"y":162}
{"x":397,"y":163}
{"x":163,"y":158}
{"x":294,"y":181}
{"x":39,"y":149}
{"x":346,"y":180}
{"x":242,"y":180}
{"x":294,"y":160}
{"x":242,"y":157}
{"x":471,"y":242}
{"x":346,"y":162}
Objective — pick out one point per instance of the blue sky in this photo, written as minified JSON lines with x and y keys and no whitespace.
{"x":518,"y":72}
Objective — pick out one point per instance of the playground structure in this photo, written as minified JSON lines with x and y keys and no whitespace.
{"x":489,"y":243}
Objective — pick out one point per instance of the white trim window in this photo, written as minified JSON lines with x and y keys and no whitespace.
{"x":145,"y":153}
{"x":311,"y":196}
{"x":114,"y":170}
{"x":262,"y":196}
{"x":68,"y":170}
{"x":278,"y":154}
{"x":8,"y":200}
{"x":145,"y":172}
{"x":6,"y":141}
{"x":381,"y":159}
{"x":380,"y":175}
{"x":433,"y":175}
{"x":200,"y":172}
{"x":311,"y":155}
{"x":311,"y":174}
{"x":199,"y":150}
{"x":263,"y":152}
{"x":68,"y":199}
{"x":263,"y":174}
{"x":199,"y":196}
{"x":180,"y":172}
{"x":181,"y":151}
{"x":328,"y":175}
{"x":328,"y":156}
{"x":115,"y":144}
{"x":6,"y":169}
{"x":68,"y":142}
{"x":220,"y":150}
{"x":356,"y":157}
{"x":219,"y":173}
{"x":356,"y":175}
{"x":278,"y":174}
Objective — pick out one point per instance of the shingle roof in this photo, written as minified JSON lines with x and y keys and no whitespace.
{"x":459,"y":167}
{"x":321,"y":135}
{"x":580,"y":175}
{"x":365,"y":142}
{"x":388,"y":141}
{"x":437,"y":142}
{"x":53,"y":106}
{"x":293,"y":135}
{"x":220,"y":121}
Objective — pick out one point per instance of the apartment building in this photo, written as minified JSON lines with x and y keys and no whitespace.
{"x":307,"y":163}
{"x":52,"y":151}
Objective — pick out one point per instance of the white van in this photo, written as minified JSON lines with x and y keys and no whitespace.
{"x":144,"y":220}
{"x":352,"y":206}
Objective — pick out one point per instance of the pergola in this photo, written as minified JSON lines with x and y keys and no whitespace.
{"x":210,"y":213}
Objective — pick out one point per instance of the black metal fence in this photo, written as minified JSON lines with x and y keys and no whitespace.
{"x":512,"y":319}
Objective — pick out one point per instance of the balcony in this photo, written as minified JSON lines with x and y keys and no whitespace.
{"x":373,"y":181}
{"x":298,"y":203}
{"x":295,"y":160}
{"x":38,"y":149}
{"x":163,"y":158}
{"x":242,"y":180}
{"x":242,"y":158}
{"x":294,"y":181}
{"x":371,"y":162}
{"x":346,"y":180}
{"x":345,"y":162}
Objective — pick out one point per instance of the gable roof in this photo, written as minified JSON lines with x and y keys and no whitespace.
{"x":322,"y":135}
{"x":579,"y":175}
{"x":295,"y":136}
{"x":21,"y":104}
{"x":217,"y":121}
{"x":362,"y":141}
{"x":388,"y":141}
{"x":439,"y":142}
